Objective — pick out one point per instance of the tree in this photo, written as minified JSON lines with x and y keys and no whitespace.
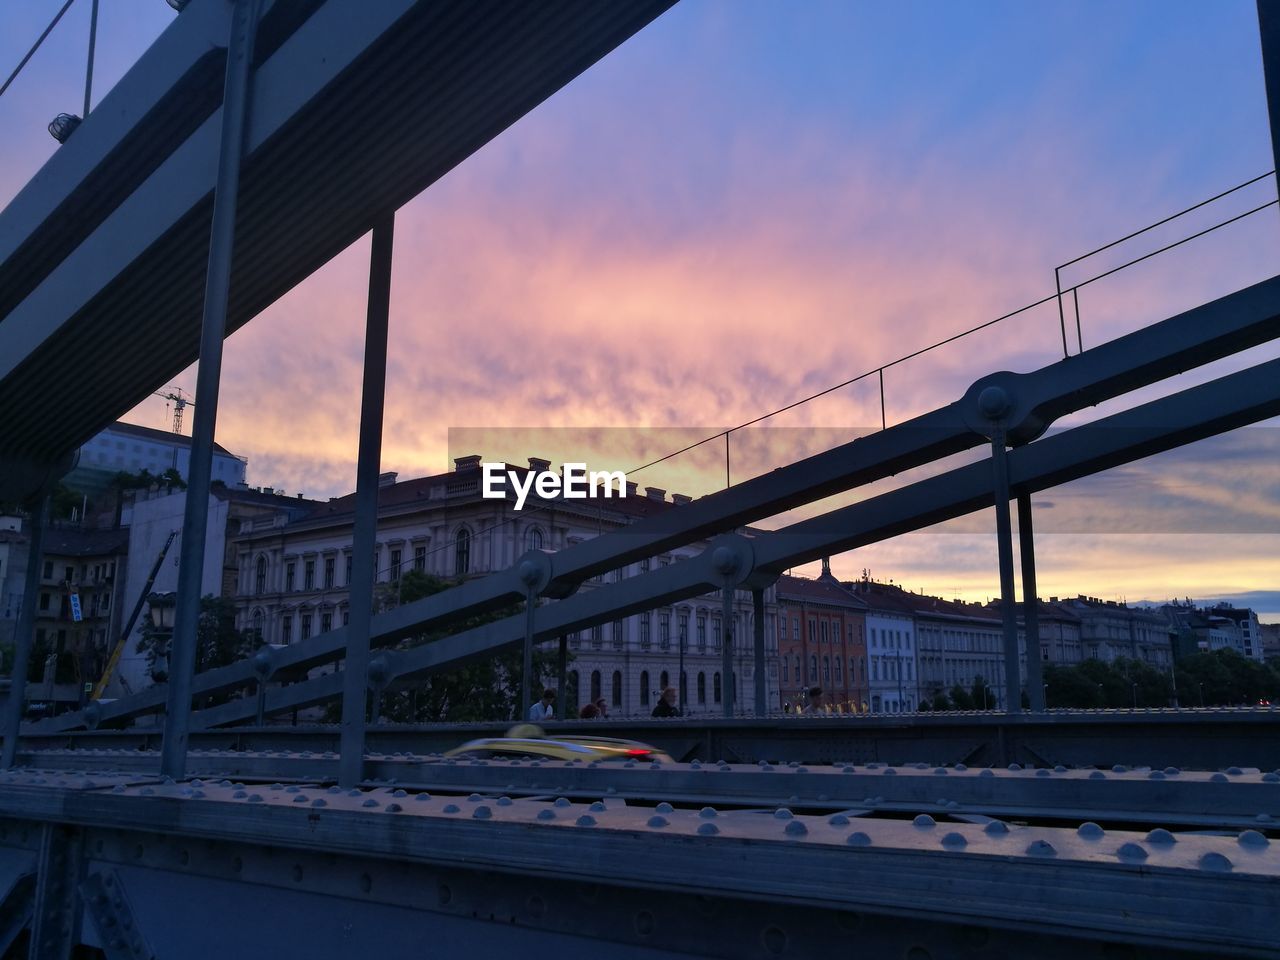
{"x":485,"y":689}
{"x":982,"y":699}
{"x":941,"y":701}
{"x":960,"y":697}
{"x":218,"y":642}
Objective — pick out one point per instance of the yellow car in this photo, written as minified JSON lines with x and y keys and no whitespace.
{"x":528,"y":741}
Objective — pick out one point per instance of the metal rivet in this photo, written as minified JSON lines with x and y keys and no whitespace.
{"x":1041,"y":848}
{"x":708,"y":829}
{"x":1097,"y":775}
{"x":370,"y":802}
{"x":954,"y":840}
{"x":838,"y":820}
{"x":664,"y":807}
{"x":546,"y":814}
{"x":1015,"y":766}
{"x":1172,"y":771}
{"x":707,"y":813}
{"x":986,"y":773}
{"x":890,"y":772}
{"x":319,"y":802}
{"x":996,"y":828}
{"x":562,"y":801}
{"x":1131,"y":851}
{"x":300,"y":798}
{"x":939,"y":771}
{"x":1252,"y":838}
{"x":795,"y":829}
{"x":586,"y":820}
{"x":335,"y":789}
{"x":1235,"y":771}
{"x":451,"y":808}
{"x":1218,"y":778}
{"x":1215,"y":862}
{"x":858,"y":839}
{"x":502,"y":801}
{"x":422,"y":797}
{"x":1161,"y":836}
{"x":482,"y":812}
{"x":1059,"y":769}
{"x":1042,"y":773}
{"x":1155,"y":775}
{"x":924,"y":822}
{"x":782,"y":813}
{"x":254,"y":797}
{"x":1119,"y":768}
{"x":598,"y":806}
{"x":1090,"y":831}
{"x":399,"y":793}
{"x":656,"y":821}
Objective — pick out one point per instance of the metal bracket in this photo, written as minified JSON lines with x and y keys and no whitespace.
{"x":113,"y":918}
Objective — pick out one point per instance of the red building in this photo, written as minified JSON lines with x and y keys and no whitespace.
{"x":822,"y":643}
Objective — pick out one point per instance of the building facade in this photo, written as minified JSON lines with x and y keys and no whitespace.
{"x":822,"y":643}
{"x":294,"y":578}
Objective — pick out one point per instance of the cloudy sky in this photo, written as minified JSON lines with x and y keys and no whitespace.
{"x":751,"y":201}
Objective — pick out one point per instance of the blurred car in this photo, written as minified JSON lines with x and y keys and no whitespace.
{"x":528,"y":741}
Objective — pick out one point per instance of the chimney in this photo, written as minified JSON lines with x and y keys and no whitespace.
{"x":656,"y":493}
{"x":268,"y":489}
{"x":538,"y":465}
{"x":387,"y":479}
{"x":471,"y":462}
{"x":680,"y":498}
{"x":299,"y":496}
{"x":632,"y":487}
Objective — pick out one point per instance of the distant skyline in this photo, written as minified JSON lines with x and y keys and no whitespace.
{"x":751,"y":201}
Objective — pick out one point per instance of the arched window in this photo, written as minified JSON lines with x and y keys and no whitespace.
{"x":644,"y":688}
{"x":462,"y":552}
{"x":533,"y":539}
{"x":839,"y":670}
{"x":262,"y":575}
{"x":826,"y":669}
{"x":785,"y":672}
{"x":571,"y":695}
{"x":796,"y":663}
{"x":595,"y":685}
{"x":664,"y":681}
{"x":702,"y":687}
{"x":813,"y":668}
{"x":616,"y":698}
{"x":715,"y":685}
{"x":257,"y":625}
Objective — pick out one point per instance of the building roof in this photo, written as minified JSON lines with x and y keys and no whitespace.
{"x":160,"y":436}
{"x":75,"y":542}
{"x":805,"y":590}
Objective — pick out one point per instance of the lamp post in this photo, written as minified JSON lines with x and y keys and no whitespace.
{"x":1135,"y":694}
{"x":1102,"y":700}
{"x":163,"y":609}
{"x":684,"y":700}
{"x":1046,"y":695}
{"x":986,"y":690}
{"x":1201,"y":686}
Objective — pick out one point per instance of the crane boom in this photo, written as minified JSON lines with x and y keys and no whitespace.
{"x":114,"y":660}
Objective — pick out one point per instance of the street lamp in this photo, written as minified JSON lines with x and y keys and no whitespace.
{"x":1046,"y":695}
{"x":1201,"y":686}
{"x":1135,"y":694}
{"x":164,"y":607}
{"x":986,"y":689}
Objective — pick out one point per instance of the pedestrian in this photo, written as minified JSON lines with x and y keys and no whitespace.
{"x":602,"y":708}
{"x":588,"y":712}
{"x":815,"y":702}
{"x":666,"y":706}
{"x":544,"y":709}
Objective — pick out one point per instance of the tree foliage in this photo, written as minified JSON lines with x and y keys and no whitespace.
{"x":1220,"y":678}
{"x":484,"y":689}
{"x":218,"y":642}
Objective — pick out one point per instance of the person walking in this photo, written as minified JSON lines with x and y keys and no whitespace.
{"x":666,"y":706}
{"x":544,"y":709}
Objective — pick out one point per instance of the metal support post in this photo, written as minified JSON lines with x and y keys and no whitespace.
{"x":373,"y":397}
{"x":757,"y":610}
{"x":562,"y":678}
{"x":1004,"y":544}
{"x":55,"y":921}
{"x":88,"y":70}
{"x":526,"y":671}
{"x":25,"y":633}
{"x":182,"y":648}
{"x":1030,"y":603}
{"x":726,"y":652}
{"x":1269,"y":35}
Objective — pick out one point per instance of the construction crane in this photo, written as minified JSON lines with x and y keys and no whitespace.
{"x":180,"y":403}
{"x":114,"y":660}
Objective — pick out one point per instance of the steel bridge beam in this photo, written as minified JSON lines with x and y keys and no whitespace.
{"x":1223,"y":404}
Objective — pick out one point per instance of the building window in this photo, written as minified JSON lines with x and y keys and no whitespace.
{"x":785,"y":673}
{"x":595,"y":685}
{"x":347,"y":579}
{"x":395,"y":564}
{"x":328,"y":573}
{"x":572,"y":684}
{"x":839,"y":670}
{"x":715,"y":687}
{"x":533,"y":539}
{"x":795,"y":629}
{"x":813,"y":630}
{"x":664,"y":681}
{"x":702,"y":632}
{"x":597,"y":641}
{"x":644,"y":631}
{"x":616,"y":691}
{"x":462,"y":552}
{"x":813,"y":668}
{"x":824,"y":631}
{"x":826,"y":669}
{"x":286,"y":629}
{"x":326,"y":622}
{"x":617,"y":634}
{"x":644,"y":688}
{"x":664,"y":632}
{"x":684,"y":630}
{"x":346,"y":617}
{"x":288,"y":576}
{"x":44,"y":601}
{"x":257,"y":625}
{"x":309,"y":575}
{"x":305,"y":633}
{"x":702,"y":687}
{"x":48,"y":570}
{"x":261,"y":576}
{"x":420,"y":559}
{"x":715,"y":633}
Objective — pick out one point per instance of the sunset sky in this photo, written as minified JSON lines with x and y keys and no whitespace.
{"x":751,"y":201}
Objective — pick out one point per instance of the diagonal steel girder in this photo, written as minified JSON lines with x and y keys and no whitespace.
{"x":1224,"y":404}
{"x":1198,"y":336}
